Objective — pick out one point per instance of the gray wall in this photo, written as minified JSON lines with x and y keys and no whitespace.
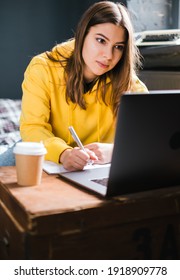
{"x":29,"y":27}
{"x":154,"y":14}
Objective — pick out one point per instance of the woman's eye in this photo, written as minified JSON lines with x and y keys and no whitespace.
{"x":119,"y":47}
{"x":100,"y":40}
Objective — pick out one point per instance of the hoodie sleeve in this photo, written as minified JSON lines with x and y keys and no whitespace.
{"x":139,"y":86}
{"x":35,"y":117}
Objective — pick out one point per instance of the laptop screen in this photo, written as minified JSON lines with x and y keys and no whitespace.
{"x":147,"y":143}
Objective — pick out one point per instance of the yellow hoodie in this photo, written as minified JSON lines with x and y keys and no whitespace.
{"x":46,"y":115}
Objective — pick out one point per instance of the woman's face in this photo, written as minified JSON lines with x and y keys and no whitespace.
{"x":103,"y":48}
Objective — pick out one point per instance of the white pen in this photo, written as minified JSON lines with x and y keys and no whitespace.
{"x":78,"y":141}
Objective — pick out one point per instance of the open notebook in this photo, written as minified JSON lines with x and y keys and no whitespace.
{"x":55,"y":168}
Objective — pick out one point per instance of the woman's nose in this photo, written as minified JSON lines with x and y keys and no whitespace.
{"x":108,"y":53}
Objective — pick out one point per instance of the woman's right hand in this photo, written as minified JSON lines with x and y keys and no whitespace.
{"x":76,"y":159}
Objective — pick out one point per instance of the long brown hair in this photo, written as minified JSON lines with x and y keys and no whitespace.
{"x":121,"y":75}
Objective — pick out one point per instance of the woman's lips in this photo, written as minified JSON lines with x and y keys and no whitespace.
{"x":102,"y":65}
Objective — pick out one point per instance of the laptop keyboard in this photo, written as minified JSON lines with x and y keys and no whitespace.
{"x":158,"y":37}
{"x":161,"y":37}
{"x":102,"y":181}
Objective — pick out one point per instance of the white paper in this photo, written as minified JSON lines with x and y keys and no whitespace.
{"x":55,"y":168}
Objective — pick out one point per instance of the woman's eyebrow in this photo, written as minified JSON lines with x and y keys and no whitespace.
{"x":100,"y":34}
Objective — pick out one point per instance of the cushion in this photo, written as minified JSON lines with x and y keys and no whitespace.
{"x":9,"y":122}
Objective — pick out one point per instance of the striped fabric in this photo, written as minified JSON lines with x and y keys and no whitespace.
{"x":9,"y":122}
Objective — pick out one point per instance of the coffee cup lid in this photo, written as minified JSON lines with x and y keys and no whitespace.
{"x":29,"y":148}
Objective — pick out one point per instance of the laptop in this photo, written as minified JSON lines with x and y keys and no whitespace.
{"x":167,"y":37}
{"x":146,"y":152}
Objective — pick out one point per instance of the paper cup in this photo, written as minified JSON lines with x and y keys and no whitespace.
{"x":29,"y":158}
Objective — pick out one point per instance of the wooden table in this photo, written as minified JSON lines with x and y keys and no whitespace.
{"x":57,"y":220}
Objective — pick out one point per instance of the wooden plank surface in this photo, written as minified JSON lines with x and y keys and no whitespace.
{"x":57,"y":220}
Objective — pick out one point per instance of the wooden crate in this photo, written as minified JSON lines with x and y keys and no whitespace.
{"x":57,"y":220}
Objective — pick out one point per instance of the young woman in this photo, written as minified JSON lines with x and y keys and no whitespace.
{"x":79,"y":83}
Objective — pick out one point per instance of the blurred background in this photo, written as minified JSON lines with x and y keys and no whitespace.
{"x":29,"y":27}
